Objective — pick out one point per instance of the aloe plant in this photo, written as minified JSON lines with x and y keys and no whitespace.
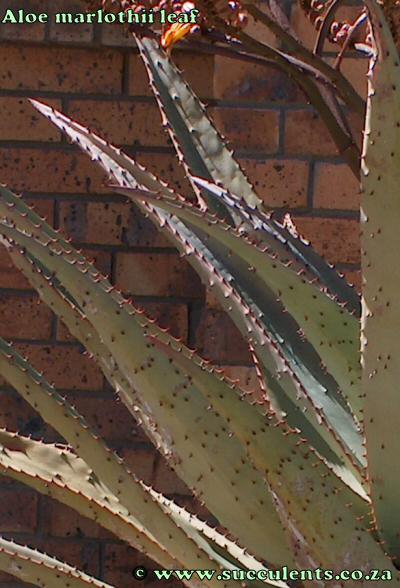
{"x":304,"y":478}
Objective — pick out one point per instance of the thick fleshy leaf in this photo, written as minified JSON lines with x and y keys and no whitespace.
{"x":55,"y":471}
{"x":107,"y":466}
{"x":182,"y":432}
{"x":289,"y":464}
{"x":127,"y":172}
{"x":201,"y":148}
{"x":380,"y":340}
{"x":274,"y":278}
{"x":33,"y":567}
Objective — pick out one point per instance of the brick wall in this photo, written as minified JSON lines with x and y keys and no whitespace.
{"x":96,"y":76}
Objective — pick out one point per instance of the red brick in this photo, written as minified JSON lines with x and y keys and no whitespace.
{"x":166,"y":480}
{"x":20,"y":121}
{"x":60,"y":69}
{"x":82,"y":554}
{"x":171,"y":316}
{"x":17,"y":415}
{"x":198,"y":71}
{"x":167,"y":167}
{"x":250,"y":130}
{"x":354,"y":277}
{"x":43,"y":170}
{"x":279,"y":183}
{"x":109,"y":223}
{"x":120,"y":561}
{"x":109,"y":417}
{"x":156,"y":274}
{"x":218,"y":339}
{"x":238,"y":80}
{"x":306,"y":134}
{"x":336,"y":239}
{"x":18,"y":511}
{"x":306,"y":31}
{"x":66,"y":366}
{"x":61,"y":521}
{"x":78,"y":33}
{"x":24,"y":317}
{"x":140,"y":461}
{"x":335,"y":186}
{"x":116,"y":35}
{"x":121,"y":122}
{"x":26,"y":32}
{"x":356,"y":71}
{"x":10,"y":276}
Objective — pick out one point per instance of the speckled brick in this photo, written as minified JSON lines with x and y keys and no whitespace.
{"x":248,"y":130}
{"x":338,"y":240}
{"x":119,"y":563}
{"x":60,"y":69}
{"x":141,"y":461}
{"x":109,"y":223}
{"x":306,"y":134}
{"x":61,"y":521}
{"x":171,"y":316}
{"x":218,"y":339}
{"x":109,"y":417}
{"x":156,"y":274}
{"x":77,"y":33}
{"x":24,"y":317}
{"x":18,"y":511}
{"x":42,"y":170}
{"x":166,"y":481}
{"x":17,"y":415}
{"x":279,"y":183}
{"x":81,"y":554}
{"x":242,"y":81}
{"x":198,"y":71}
{"x":20,"y":121}
{"x":27,"y":32}
{"x":166,"y":167}
{"x":65,"y":366}
{"x":354,"y":277}
{"x":335,"y":186}
{"x":121,"y":122}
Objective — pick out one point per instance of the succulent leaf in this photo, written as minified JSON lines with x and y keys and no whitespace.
{"x":189,"y":424}
{"x":125,"y":171}
{"x":289,"y":464}
{"x":294,"y":292}
{"x":107,"y":466}
{"x":200,"y":146}
{"x":34,"y":567}
{"x":381,"y":278}
{"x":57,"y":472}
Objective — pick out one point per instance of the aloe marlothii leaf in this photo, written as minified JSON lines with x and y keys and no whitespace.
{"x":127,"y":172}
{"x":109,"y":468}
{"x":57,"y":472}
{"x":381,"y":278}
{"x":347,"y":529}
{"x":33,"y":567}
{"x":199,"y":145}
{"x":290,"y":287}
{"x":83,"y":330}
{"x":332,"y":519}
{"x":275,"y":235}
{"x":195,"y":442}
